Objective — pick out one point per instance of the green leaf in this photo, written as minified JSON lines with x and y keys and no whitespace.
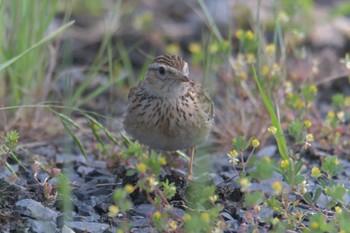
{"x":317,"y":194}
{"x":130,"y":172}
{"x":252,"y":199}
{"x":298,"y":179}
{"x":240,"y":143}
{"x":308,"y":197}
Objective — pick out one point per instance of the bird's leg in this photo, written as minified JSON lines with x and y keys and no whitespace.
{"x":190,"y":174}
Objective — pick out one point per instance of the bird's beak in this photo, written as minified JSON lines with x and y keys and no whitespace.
{"x":181,"y":78}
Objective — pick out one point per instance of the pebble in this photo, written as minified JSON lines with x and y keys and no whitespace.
{"x":90,"y":227}
{"x":144,"y":209}
{"x":35,"y":210}
{"x":40,"y":226}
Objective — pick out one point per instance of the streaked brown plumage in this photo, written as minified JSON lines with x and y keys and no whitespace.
{"x":167,"y":110}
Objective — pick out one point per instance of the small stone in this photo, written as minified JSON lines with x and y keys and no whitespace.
{"x":34,"y":209}
{"x":70,"y":158}
{"x":98,"y":164}
{"x":177,"y":212}
{"x":83,"y":170}
{"x":267,"y":151}
{"x":91,"y":227}
{"x":143,"y":230}
{"x":226,"y":216}
{"x":40,"y":226}
{"x":140,"y":222}
{"x":66,"y":229}
{"x":144,"y":209}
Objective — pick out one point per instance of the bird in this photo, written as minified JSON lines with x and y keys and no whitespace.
{"x":168,"y":110}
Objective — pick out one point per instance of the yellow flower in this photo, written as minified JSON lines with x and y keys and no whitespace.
{"x":270,"y":49}
{"x":213,"y":198}
{"x":284,"y":164}
{"x":265,"y":70}
{"x":239,"y":34}
{"x":187,"y":217}
{"x":299,"y":104}
{"x":172,"y":48}
{"x":267,"y":159}
{"x":250,"y":58}
{"x":313,"y":89}
{"x":245,"y":183}
{"x":315,"y":172}
{"x":249,"y":35}
{"x":275,"y":221}
{"x":309,"y":137}
{"x":205,"y":216}
{"x":255,"y":143}
{"x":336,"y":161}
{"x":272,"y":130}
{"x":307,"y":124}
{"x":162,"y":160}
{"x":113,"y":210}
{"x":141,"y":167}
{"x":157,"y":216}
{"x":233,"y":153}
{"x":195,"y":48}
{"x":129,"y":188}
{"x":338,"y":210}
{"x":173,"y":225}
{"x":277,"y":187}
{"x":152,"y":182}
{"x":330,"y":114}
{"x":314,"y":225}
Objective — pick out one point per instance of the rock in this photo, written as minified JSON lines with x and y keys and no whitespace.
{"x":83,"y":170}
{"x":70,"y":158}
{"x":66,"y":229}
{"x":177,"y":212}
{"x":267,"y":151}
{"x":144,"y":209}
{"x":40,"y":226}
{"x":140,"y":222}
{"x":143,"y":230}
{"x":98,"y":164}
{"x":91,"y":227}
{"x":85,"y":209}
{"x":35,"y":210}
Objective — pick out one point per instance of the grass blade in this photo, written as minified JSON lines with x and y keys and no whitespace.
{"x":46,"y":39}
{"x":281,"y":141}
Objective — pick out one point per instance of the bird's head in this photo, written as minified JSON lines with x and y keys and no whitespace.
{"x":168,"y":75}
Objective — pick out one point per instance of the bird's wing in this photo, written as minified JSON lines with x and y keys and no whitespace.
{"x":132,"y":92}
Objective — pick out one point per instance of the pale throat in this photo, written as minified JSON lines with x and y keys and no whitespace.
{"x":167,"y":88}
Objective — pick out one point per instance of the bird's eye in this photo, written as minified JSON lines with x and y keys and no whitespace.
{"x":161,"y":71}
